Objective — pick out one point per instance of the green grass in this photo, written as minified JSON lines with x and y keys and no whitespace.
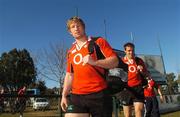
{"x":173,"y":114}
{"x":29,"y":112}
{"x":54,"y":113}
{"x":33,"y":114}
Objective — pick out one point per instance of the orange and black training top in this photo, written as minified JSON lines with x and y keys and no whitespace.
{"x":149,"y":91}
{"x":134,"y":77}
{"x":86,"y":79}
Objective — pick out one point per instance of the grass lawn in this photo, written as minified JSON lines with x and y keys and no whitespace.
{"x":29,"y":112}
{"x":173,"y":114}
{"x":49,"y":113}
{"x":54,"y":113}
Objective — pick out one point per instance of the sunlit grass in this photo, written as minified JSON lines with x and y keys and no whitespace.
{"x":54,"y":113}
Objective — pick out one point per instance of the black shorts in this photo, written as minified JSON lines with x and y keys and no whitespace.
{"x":98,"y":104}
{"x":152,"y":107}
{"x":131,"y":94}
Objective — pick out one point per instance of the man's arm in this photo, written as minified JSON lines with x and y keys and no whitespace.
{"x":160,"y":94}
{"x":66,"y":90}
{"x":67,"y":84}
{"x":110,"y":58}
{"x":107,"y":63}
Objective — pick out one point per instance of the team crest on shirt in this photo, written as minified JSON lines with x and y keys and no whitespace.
{"x":78,"y":58}
{"x":132,"y":69}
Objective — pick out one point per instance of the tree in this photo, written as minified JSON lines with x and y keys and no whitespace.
{"x":41,"y":86}
{"x":178,"y":80}
{"x":17,"y":69}
{"x":51,"y":63}
{"x":172,"y":83}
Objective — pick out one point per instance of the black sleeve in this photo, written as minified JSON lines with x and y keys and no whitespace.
{"x":72,"y":71}
{"x":122,"y":65}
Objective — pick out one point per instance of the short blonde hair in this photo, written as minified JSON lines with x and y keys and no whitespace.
{"x":75,"y":19}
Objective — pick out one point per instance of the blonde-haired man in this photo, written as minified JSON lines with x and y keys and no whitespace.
{"x":88,"y":89}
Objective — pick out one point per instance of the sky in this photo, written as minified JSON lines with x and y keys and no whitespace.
{"x":34,"y":24}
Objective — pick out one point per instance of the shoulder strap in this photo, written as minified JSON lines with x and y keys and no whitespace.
{"x":142,"y":74}
{"x":122,"y":65}
{"x":137,"y":59}
{"x":93,"y":46}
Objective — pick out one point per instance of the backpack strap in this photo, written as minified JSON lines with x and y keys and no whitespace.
{"x":137,"y":59}
{"x":93,"y":46}
{"x":122,"y":65}
{"x":144,"y":76}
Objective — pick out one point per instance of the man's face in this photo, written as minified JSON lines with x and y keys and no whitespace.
{"x":76,"y":30}
{"x":129,"y":52}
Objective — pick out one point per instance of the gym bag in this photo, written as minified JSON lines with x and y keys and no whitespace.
{"x":116,"y":78}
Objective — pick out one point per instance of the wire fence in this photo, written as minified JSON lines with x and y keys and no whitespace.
{"x":12,"y":105}
{"x":30,"y":105}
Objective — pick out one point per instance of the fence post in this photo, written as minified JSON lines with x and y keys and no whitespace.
{"x":115,"y":108}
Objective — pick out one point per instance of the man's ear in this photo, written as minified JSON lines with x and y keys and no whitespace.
{"x":134,"y":52}
{"x":70,"y":32}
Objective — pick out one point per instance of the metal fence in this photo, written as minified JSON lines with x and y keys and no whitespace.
{"x":36,"y":105}
{"x":30,"y":105}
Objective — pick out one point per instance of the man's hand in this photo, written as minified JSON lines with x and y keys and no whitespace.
{"x":161,"y":98}
{"x":88,"y":59}
{"x":64,"y":103}
{"x":140,"y":68}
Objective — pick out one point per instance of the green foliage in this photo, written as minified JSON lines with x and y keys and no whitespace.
{"x":172,"y":83}
{"x":178,"y":80}
{"x":17,"y":69}
{"x":41,"y":86}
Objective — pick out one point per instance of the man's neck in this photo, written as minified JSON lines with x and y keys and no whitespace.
{"x":130,"y":57}
{"x":82,"y":40}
